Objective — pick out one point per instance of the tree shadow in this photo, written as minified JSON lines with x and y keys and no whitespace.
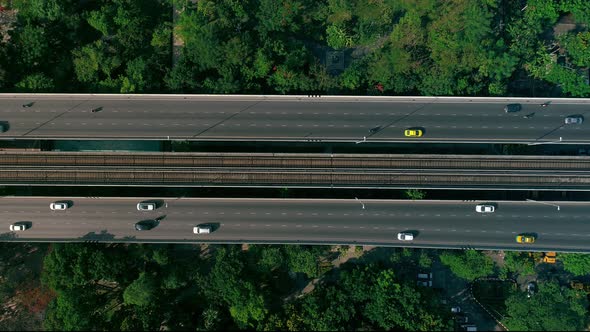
{"x":8,"y":236}
{"x":103,"y":236}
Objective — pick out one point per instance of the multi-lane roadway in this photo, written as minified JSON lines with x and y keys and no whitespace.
{"x":289,"y":118}
{"x":436,"y":224}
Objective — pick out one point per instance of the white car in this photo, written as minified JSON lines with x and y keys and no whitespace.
{"x":203,"y":229}
{"x":405,"y":236}
{"x":58,"y":206}
{"x":485,"y":208}
{"x":146,"y":206}
{"x":18,"y":227}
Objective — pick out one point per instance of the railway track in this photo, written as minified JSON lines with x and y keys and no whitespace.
{"x":295,"y":170}
{"x":307,"y":161}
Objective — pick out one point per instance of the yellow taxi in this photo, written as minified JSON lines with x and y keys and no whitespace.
{"x":525,"y":238}
{"x":413,"y":132}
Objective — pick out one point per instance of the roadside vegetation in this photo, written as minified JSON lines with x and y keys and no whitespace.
{"x":416,"y":47}
{"x":136,"y":287}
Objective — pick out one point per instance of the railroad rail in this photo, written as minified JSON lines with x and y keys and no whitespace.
{"x":295,"y":170}
{"x":293,"y":160}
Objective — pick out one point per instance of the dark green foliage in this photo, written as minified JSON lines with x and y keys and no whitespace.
{"x":430,"y":47}
{"x":520,"y":262}
{"x":578,"y":264}
{"x":553,"y":308}
{"x":100,"y":46}
{"x":367,"y":297}
{"x":469,"y":264}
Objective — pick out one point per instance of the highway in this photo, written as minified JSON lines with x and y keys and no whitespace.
{"x":437,"y":224}
{"x":289,"y":118}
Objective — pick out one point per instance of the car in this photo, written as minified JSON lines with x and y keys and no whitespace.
{"x":424,"y":275}
{"x":456,"y":310}
{"x":405,"y":236}
{"x":511,"y":108}
{"x":413,"y":132}
{"x":202,"y":229}
{"x":574,"y":119}
{"x":146,"y":206}
{"x":18,"y":227}
{"x":424,"y":283}
{"x":3,"y":127}
{"x":525,"y":238}
{"x":145,"y":225}
{"x":531,"y":289}
{"x":485,"y":208}
{"x":59,"y":206}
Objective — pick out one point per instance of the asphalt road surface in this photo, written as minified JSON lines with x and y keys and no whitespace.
{"x":290,"y":118}
{"x":436,"y":224}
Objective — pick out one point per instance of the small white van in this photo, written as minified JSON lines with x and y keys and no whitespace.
{"x":202,"y":229}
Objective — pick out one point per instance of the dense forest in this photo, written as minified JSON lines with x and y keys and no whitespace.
{"x":391,"y":47}
{"x":130,"y":287}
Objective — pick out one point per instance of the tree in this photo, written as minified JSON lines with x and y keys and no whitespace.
{"x":578,"y":264}
{"x":415,"y":194}
{"x":302,"y":260}
{"x":578,"y":48}
{"x":36,"y":83}
{"x":552,"y":308}
{"x":519,"y":262}
{"x":469,"y":264}
{"x":141,"y":292}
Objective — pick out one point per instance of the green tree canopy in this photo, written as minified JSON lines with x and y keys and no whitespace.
{"x":578,"y":264}
{"x":552,"y":308}
{"x":469,"y":264}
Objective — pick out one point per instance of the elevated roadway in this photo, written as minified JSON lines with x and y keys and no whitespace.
{"x":437,"y":224}
{"x":289,"y":118}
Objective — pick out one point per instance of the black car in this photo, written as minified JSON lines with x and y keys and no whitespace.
{"x":145,"y":225}
{"x":510,"y":108}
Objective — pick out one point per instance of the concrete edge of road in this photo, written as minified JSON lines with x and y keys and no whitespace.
{"x":296,"y":242}
{"x":297,"y":97}
{"x":319,"y":200}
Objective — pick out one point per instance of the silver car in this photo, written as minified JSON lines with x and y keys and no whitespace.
{"x":18,"y":227}
{"x":405,"y":236}
{"x":146,"y":206}
{"x":58,"y":206}
{"x":574,"y":119}
{"x":485,"y":208}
